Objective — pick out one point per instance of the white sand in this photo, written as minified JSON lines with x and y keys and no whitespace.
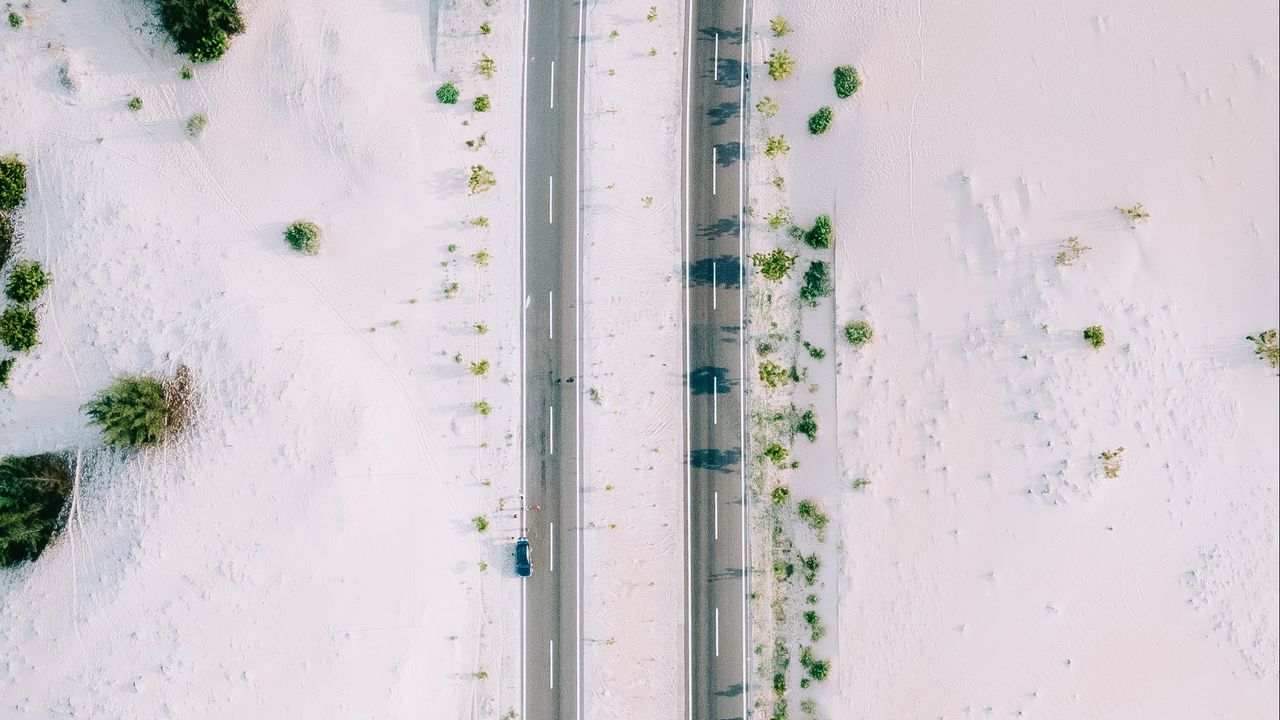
{"x":633,"y":442}
{"x":990,"y":570}
{"x":306,"y":550}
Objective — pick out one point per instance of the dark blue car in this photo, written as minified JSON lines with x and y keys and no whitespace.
{"x":523,"y":567}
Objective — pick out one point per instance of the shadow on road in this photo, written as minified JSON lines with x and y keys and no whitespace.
{"x":709,"y":379}
{"x":712,"y":459}
{"x":724,"y":269}
{"x":723,"y":113}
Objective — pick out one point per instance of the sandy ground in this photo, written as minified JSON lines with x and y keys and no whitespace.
{"x":306,"y":549}
{"x":633,"y":438}
{"x":990,"y":570}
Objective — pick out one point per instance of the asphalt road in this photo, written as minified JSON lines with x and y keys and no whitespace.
{"x":715,"y":498}
{"x":551,"y":598}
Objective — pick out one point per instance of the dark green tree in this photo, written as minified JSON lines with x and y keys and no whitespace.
{"x":820,"y":121}
{"x":19,"y":328}
{"x":133,"y":412}
{"x":26,"y":282}
{"x":847,"y":81}
{"x":33,"y":492}
{"x":821,"y":234}
{"x":201,"y":29}
{"x":13,"y":182}
{"x":817,"y":283}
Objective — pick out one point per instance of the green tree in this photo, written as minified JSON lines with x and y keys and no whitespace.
{"x":820,"y":121}
{"x":448,"y":93}
{"x":33,"y":493}
{"x":303,"y":236}
{"x":817,"y":283}
{"x":134,"y":411}
{"x":201,"y":29}
{"x":13,"y":181}
{"x":821,"y":234}
{"x":19,"y":328}
{"x":847,"y":81}
{"x":27,"y":280}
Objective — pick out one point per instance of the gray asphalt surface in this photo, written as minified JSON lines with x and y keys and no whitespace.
{"x":552,"y":404}
{"x":716,"y":59}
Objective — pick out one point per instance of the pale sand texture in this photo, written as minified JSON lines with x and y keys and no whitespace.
{"x":306,"y":549}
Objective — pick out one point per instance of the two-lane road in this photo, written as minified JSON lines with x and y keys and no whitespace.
{"x":551,"y":249}
{"x":716,"y":493}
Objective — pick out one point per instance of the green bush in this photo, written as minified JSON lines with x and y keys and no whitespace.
{"x":303,"y":236}
{"x":820,"y":121}
{"x":847,"y":81}
{"x":196,"y":124}
{"x":13,"y":181}
{"x":776,"y":145}
{"x":780,"y":26}
{"x":481,"y":179}
{"x":780,"y":495}
{"x":780,"y":64}
{"x":817,"y":283}
{"x":6,"y":368}
{"x":134,"y":411}
{"x":813,"y":514}
{"x":15,"y":20}
{"x":774,"y":265}
{"x":33,"y":492}
{"x":201,"y":29}
{"x":19,"y":328}
{"x":448,"y":93}
{"x":135,"y":103}
{"x":481,"y":103}
{"x":6,"y":238}
{"x":773,"y":374}
{"x":1094,"y":335}
{"x":821,"y":234}
{"x":858,"y":333}
{"x":776,"y":453}
{"x":807,"y":426}
{"x":1266,"y":345}
{"x":26,"y":282}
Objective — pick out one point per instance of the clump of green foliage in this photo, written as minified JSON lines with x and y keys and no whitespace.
{"x":26,"y":282}
{"x":811,"y":564}
{"x":858,"y":333}
{"x":807,"y":426}
{"x":780,"y":64}
{"x":773,"y":374}
{"x":19,"y":328}
{"x":33,"y":492}
{"x":1134,"y":214}
{"x":1111,"y":462}
{"x":187,"y":72}
{"x":820,"y":121}
{"x":481,"y":103}
{"x":13,"y":181}
{"x":196,"y":124}
{"x":481,"y":179}
{"x":768,"y":107}
{"x":846,"y":81}
{"x":303,"y":236}
{"x":814,"y":351}
{"x":6,"y":237}
{"x":817,"y":669}
{"x":776,"y":145}
{"x":821,"y":234}
{"x":15,"y":20}
{"x":775,"y":265}
{"x":777,"y":219}
{"x":481,"y":522}
{"x":483,"y":407}
{"x":135,"y":411}
{"x":479,"y":367}
{"x":777,"y":453}
{"x":448,"y":93}
{"x":1265,"y":346}
{"x":6,"y":369}
{"x":135,"y":103}
{"x":486,"y":66}
{"x":1071,"y":251}
{"x":779,"y":495}
{"x":201,"y":29}
{"x":1095,"y":337}
{"x":653,"y":13}
{"x":813,"y":514}
{"x":780,"y":26}
{"x":485,"y":28}
{"x":817,"y":283}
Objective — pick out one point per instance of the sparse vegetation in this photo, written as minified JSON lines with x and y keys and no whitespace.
{"x":481,"y":523}
{"x":15,"y":20}
{"x":596,"y":397}
{"x":846,"y":80}
{"x":1071,"y":251}
{"x":196,"y":124}
{"x":1111,"y":462}
{"x":652,"y":14}
{"x":481,"y":179}
{"x":303,"y":236}
{"x":807,"y":426}
{"x":780,"y":26}
{"x":817,"y":669}
{"x":1265,"y":346}
{"x":483,"y":407}
{"x":860,"y":483}
{"x":775,"y":265}
{"x":451,"y":290}
{"x":768,"y":107}
{"x":201,"y":29}
{"x":481,"y":257}
{"x":820,"y":121}
{"x":19,"y":328}
{"x":821,"y":234}
{"x":135,"y":411}
{"x":13,"y":182}
{"x":481,"y":328}
{"x":779,"y":495}
{"x":135,"y":103}
{"x":187,"y":72}
{"x":479,"y":367}
{"x":1095,"y":337}
{"x":814,"y":351}
{"x":1134,"y":214}
{"x":777,"y":218}
{"x":773,"y":374}
{"x":817,"y":283}
{"x":780,"y":64}
{"x":27,"y":280}
{"x":486,"y":66}
{"x":777,"y":453}
{"x":477,"y":143}
{"x":813,"y":515}
{"x":485,"y":28}
{"x":33,"y":492}
{"x":481,"y":103}
{"x":448,"y":93}
{"x":776,"y":145}
{"x":858,"y":333}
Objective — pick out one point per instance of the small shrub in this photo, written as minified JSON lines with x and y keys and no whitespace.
{"x":813,"y":514}
{"x":773,"y":374}
{"x":858,"y":333}
{"x":481,"y":103}
{"x":614,"y":34}
{"x":780,"y":64}
{"x":33,"y":492}
{"x":779,"y":495}
{"x":860,"y":483}
{"x":481,"y":179}
{"x":817,"y":669}
{"x":820,"y":121}
{"x":15,"y":20}
{"x":775,"y":265}
{"x":777,"y":219}
{"x":485,"y":29}
{"x":134,"y":411}
{"x":1265,"y":346}
{"x":450,"y":290}
{"x":776,"y":145}
{"x":19,"y":328}
{"x":1134,"y":214}
{"x":653,"y":13}
{"x":13,"y":182}
{"x":1071,"y":251}
{"x":817,"y":283}
{"x":768,"y":107}
{"x":481,"y":257}
{"x":448,"y":93}
{"x":846,"y":81}
{"x":814,"y":351}
{"x":481,"y":522}
{"x":1111,"y":462}
{"x":1094,"y":335}
{"x":811,"y":564}
{"x":821,"y":234}
{"x":477,"y":143}
{"x":26,"y":282}
{"x":776,"y":453}
{"x":479,"y":367}
{"x":486,"y":66}
{"x":135,"y":103}
{"x":196,"y":124}
{"x":303,"y":236}
{"x":186,"y":73}
{"x":6,"y":368}
{"x":483,"y":407}
{"x":201,"y":29}
{"x":6,"y":238}
{"x":807,"y":426}
{"x":780,"y":26}
{"x":481,"y":328}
